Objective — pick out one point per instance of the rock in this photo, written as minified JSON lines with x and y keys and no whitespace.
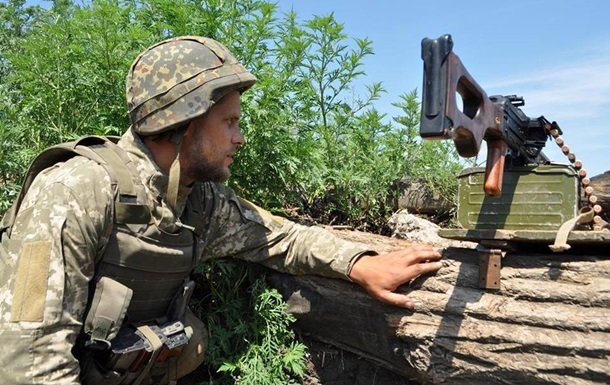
{"x":416,"y":196}
{"x":419,"y":230}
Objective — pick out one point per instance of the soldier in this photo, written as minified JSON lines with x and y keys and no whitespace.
{"x":96,"y":253}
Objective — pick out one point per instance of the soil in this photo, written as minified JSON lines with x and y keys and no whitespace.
{"x":329,"y":365}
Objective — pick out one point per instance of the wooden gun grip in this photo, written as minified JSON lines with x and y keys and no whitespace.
{"x":494,"y":169}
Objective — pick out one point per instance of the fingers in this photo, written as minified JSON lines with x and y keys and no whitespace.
{"x":428,"y":267}
{"x":382,"y":274}
{"x":421,"y":253}
{"x":387,"y":293}
{"x":415,"y":262}
{"x":395,"y":299}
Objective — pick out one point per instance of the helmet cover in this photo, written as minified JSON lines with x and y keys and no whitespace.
{"x":179,"y":79}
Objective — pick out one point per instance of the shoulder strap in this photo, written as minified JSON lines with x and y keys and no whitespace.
{"x":105,"y":152}
{"x":116,"y":163}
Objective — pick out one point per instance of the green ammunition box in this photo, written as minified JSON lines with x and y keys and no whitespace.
{"x":533,"y":198}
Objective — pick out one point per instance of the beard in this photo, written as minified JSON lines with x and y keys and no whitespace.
{"x":201,"y":169}
{"x":207,"y":172}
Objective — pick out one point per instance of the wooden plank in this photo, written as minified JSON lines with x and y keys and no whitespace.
{"x":549,"y":323}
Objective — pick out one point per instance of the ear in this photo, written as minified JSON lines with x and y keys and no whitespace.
{"x":190,"y":129}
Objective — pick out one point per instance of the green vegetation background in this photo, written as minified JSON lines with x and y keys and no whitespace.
{"x":317,"y":147}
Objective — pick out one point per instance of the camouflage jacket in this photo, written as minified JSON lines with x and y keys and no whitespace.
{"x":63,"y":226}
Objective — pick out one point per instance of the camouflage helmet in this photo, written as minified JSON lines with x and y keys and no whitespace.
{"x":179,"y":79}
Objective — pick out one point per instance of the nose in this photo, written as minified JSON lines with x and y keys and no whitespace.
{"x":238,"y":138}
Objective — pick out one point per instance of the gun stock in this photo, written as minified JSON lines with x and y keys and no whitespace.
{"x":497,"y":120}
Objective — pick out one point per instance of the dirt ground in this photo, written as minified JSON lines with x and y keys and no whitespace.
{"x":329,"y":365}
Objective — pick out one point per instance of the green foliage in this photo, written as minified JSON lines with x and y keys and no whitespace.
{"x":435,"y":161}
{"x":322,"y":149}
{"x":316,"y":144}
{"x":64,"y":79}
{"x":251,"y":342}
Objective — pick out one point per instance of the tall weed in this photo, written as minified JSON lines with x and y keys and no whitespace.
{"x":317,"y":146}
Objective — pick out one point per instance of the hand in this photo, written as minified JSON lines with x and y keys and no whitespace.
{"x":380,"y":275}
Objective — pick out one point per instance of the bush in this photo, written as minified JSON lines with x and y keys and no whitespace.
{"x":316,"y":147}
{"x":251,"y":341}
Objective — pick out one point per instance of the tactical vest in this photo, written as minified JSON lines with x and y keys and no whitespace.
{"x":141,"y":282}
{"x":145,"y":268}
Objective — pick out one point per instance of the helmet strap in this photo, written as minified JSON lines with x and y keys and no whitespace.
{"x":173,"y":184}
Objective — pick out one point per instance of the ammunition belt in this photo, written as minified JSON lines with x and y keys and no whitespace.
{"x":598,"y":223}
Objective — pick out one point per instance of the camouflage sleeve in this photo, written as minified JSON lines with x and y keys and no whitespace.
{"x":48,"y":262}
{"x":242,"y":230}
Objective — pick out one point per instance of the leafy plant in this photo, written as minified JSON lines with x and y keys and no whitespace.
{"x":317,"y":146}
{"x":251,"y":341}
{"x":437,"y":162}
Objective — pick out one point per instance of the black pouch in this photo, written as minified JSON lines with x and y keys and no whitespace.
{"x":92,"y":373}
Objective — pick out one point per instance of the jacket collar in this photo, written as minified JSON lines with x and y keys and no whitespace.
{"x":153,"y":178}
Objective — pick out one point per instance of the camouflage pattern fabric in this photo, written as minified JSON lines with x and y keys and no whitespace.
{"x":63,"y":226}
{"x":178,"y":80}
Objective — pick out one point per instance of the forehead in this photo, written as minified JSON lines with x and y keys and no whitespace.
{"x":229,"y":104}
{"x":229,"y":107}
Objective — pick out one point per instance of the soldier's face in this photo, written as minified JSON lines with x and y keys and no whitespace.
{"x":211,"y":141}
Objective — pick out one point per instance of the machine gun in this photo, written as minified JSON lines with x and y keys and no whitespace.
{"x":513,"y":139}
{"x":520,"y":195}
